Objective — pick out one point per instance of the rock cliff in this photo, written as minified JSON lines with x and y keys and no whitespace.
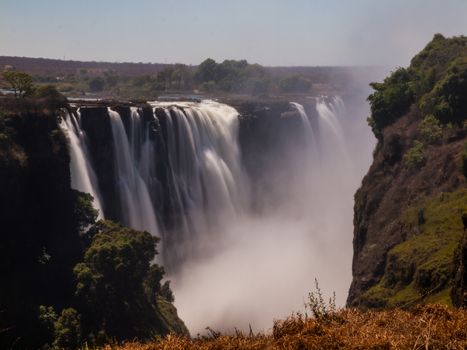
{"x":409,"y":236}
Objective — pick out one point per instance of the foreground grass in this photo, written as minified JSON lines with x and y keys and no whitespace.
{"x":424,"y":327}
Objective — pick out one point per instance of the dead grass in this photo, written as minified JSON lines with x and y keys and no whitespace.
{"x":424,"y":327}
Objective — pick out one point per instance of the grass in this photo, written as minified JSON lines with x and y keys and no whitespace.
{"x":420,"y":268}
{"x":424,"y":327}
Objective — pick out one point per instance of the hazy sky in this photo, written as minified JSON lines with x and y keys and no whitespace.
{"x":270,"y":32}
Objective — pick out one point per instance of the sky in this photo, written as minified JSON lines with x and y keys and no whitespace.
{"x":269,"y":32}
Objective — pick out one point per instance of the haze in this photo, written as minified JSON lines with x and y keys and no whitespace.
{"x":294,"y":32}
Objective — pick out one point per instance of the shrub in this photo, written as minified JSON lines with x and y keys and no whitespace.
{"x":414,"y":157}
{"x":68,"y":330}
{"x":321,"y":310}
{"x":430,"y":129}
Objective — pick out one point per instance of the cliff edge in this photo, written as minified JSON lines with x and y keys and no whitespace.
{"x":410,"y":212}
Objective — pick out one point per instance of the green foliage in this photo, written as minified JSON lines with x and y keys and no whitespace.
{"x":295,"y":84}
{"x":391,"y":99}
{"x":436,"y":81}
{"x":430,"y":129}
{"x":420,"y":268}
{"x":67,"y":330}
{"x":47,"y":317}
{"x":117,"y":285}
{"x":206,"y":71}
{"x":232,"y":76}
{"x":85,"y":213}
{"x":450,"y":94}
{"x":414,"y":157}
{"x":20,"y":82}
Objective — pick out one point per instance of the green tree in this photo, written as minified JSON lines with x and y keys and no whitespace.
{"x":20,"y":82}
{"x":391,"y":99}
{"x":206,"y":71}
{"x":117,"y":286}
{"x":67,"y":330}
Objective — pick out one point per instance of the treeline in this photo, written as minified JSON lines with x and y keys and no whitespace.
{"x":230,"y":76}
{"x":67,"y":279}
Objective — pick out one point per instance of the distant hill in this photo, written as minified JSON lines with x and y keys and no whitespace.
{"x":47,"y":66}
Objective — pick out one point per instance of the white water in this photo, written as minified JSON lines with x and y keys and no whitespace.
{"x":136,"y":205}
{"x":208,"y":180}
{"x":83,"y":177}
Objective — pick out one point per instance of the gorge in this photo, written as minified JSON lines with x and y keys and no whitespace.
{"x":245,"y":200}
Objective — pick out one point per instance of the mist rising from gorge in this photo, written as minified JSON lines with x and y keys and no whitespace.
{"x":265,"y":262}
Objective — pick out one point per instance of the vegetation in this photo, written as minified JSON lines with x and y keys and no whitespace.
{"x":20,"y":82}
{"x":424,"y":327}
{"x":430,"y":129}
{"x":436,"y":81}
{"x":414,"y":157}
{"x":229,"y":76}
{"x":420,"y":268}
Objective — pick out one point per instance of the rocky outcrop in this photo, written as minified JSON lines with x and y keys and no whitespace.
{"x":383,"y":205}
{"x":409,"y":238}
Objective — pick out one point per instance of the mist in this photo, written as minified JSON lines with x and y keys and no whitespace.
{"x":260,"y":265}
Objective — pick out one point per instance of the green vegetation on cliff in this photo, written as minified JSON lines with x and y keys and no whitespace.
{"x":436,"y":81}
{"x":420,"y":269}
{"x":409,"y":211}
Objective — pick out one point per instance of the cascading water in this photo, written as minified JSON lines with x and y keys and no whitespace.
{"x":83,"y":177}
{"x":137,"y":209}
{"x":208,"y":182}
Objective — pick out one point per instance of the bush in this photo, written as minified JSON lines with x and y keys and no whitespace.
{"x":68,"y":330}
{"x":430,"y":129}
{"x":414,"y":157}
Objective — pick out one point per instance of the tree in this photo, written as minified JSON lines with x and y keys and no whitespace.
{"x":206,"y":71}
{"x":68,"y":330}
{"x":118,"y":287}
{"x":20,"y":82}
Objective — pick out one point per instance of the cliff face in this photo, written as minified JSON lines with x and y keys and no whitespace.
{"x":409,"y":235}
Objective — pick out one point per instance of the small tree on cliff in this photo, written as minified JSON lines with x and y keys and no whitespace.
{"x":20,"y":82}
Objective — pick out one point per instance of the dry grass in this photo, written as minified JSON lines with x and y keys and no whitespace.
{"x":424,"y":327}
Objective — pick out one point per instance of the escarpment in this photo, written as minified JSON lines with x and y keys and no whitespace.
{"x":409,"y":238}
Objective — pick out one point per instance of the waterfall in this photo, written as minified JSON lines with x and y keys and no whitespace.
{"x":136,"y":206}
{"x":83,"y":177}
{"x":176,"y":170}
{"x":208,"y":183}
